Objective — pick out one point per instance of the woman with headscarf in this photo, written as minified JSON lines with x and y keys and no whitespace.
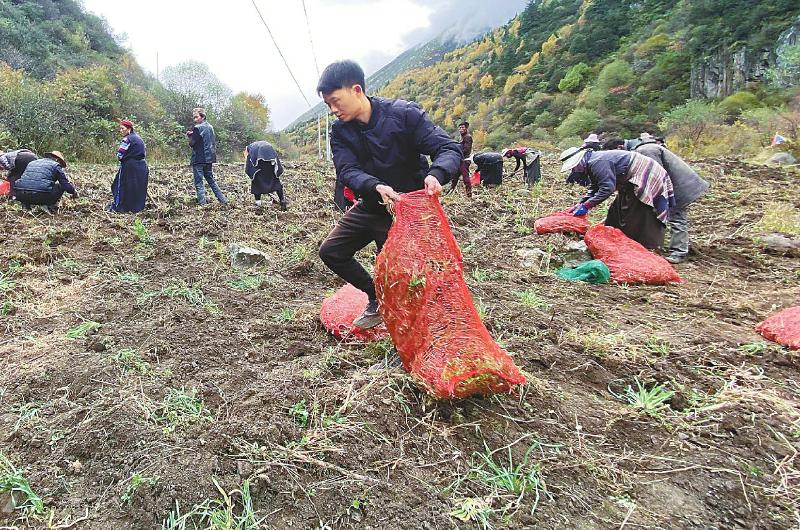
{"x":130,"y":185}
{"x":641,"y":208}
{"x":264,"y":169}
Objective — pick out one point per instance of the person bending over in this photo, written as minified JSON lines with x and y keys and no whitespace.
{"x":264,"y":168}
{"x":44,"y":182}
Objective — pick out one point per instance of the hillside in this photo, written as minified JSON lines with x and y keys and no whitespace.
{"x":563,"y":68}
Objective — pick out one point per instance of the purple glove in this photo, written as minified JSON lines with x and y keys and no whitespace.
{"x":581,"y":210}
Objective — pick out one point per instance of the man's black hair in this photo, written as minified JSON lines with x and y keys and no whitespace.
{"x":464,"y":123}
{"x":341,"y":74}
{"x":612,"y":144}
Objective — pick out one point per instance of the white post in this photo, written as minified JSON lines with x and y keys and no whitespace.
{"x":328,"y":137}
{"x":319,"y":138}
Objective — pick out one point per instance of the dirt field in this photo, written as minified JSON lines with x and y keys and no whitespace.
{"x":145,"y":381}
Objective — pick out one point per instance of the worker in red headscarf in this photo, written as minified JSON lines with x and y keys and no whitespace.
{"x":130,"y":185}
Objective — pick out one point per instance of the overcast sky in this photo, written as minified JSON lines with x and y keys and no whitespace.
{"x":230,"y":38}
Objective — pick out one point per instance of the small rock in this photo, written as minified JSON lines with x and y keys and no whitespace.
{"x":782,"y":159}
{"x":6,"y":503}
{"x":242,"y":256}
{"x":76,"y":467}
{"x":533,"y":257}
{"x":779,"y":242}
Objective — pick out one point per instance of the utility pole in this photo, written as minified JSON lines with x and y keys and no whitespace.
{"x":157,"y":72}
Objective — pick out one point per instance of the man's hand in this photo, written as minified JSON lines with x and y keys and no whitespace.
{"x":432,"y":185}
{"x":388,"y":196}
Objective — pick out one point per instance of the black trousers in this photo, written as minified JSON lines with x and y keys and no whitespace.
{"x":358,"y":228}
{"x":42,"y":198}
{"x":636,"y":219}
{"x":278,"y":188}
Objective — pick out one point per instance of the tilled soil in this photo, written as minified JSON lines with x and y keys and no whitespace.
{"x":321,"y":440}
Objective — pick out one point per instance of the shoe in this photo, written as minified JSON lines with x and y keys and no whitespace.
{"x":391,"y":361}
{"x":283,"y":206}
{"x":370,"y":318}
{"x":676,"y":258}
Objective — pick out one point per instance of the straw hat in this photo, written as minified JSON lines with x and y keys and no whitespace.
{"x":58,"y":156}
{"x":647,"y":137}
{"x":571,"y":158}
{"x":591,"y":138}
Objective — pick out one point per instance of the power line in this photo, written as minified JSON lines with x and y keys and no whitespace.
{"x":285,"y":62}
{"x":308,"y":26}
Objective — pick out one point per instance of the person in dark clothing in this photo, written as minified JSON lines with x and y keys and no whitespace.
{"x":204,"y":154}
{"x":44,"y":182}
{"x":15,"y":163}
{"x":592,"y":142}
{"x":641,"y":208}
{"x":264,"y":168}
{"x":466,"y":151}
{"x":529,"y":160}
{"x":614,"y":144}
{"x":490,"y":168}
{"x":689,"y":187}
{"x":379,"y":147}
{"x":129,"y":188}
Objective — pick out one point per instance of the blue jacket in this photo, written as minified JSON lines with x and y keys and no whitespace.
{"x":204,"y":144}
{"x":391,"y":150}
{"x":606,"y":170}
{"x":41,"y":176}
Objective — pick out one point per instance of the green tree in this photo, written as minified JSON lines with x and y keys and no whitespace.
{"x":579,"y":122}
{"x":575,"y":78}
{"x":690,"y":121}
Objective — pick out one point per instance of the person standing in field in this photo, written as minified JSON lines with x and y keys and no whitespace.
{"x":204,"y":154}
{"x":379,"y":147}
{"x":130,"y":185}
{"x":466,"y":151}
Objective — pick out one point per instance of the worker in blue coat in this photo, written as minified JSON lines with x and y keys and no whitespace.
{"x":44,"y":182}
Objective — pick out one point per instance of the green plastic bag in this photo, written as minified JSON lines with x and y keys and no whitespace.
{"x":594,"y":271}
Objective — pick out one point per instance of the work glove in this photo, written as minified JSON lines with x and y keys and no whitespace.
{"x":580,"y":210}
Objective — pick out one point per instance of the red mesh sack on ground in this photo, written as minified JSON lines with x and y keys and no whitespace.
{"x":5,"y":188}
{"x":783,"y":328}
{"x":561,"y":222}
{"x":339,"y":311}
{"x":428,"y":309}
{"x":475,"y":180}
{"x":628,"y":261}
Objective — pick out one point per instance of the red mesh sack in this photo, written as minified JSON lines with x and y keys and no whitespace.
{"x":783,"y":328}
{"x":561,"y":222}
{"x":628,"y":261}
{"x":428,"y":310}
{"x":5,"y":188}
{"x":339,"y":311}
{"x":475,"y":180}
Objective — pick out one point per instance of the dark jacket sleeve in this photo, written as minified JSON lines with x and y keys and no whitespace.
{"x":433,"y":141}
{"x":466,"y":146}
{"x":348,"y":169}
{"x":194,"y":137}
{"x":66,"y":184}
{"x":604,"y":182}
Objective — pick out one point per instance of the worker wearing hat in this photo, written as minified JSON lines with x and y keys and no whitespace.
{"x":44,"y":182}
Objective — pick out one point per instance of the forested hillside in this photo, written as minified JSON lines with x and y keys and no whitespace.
{"x":563,"y":68}
{"x":65,"y":81}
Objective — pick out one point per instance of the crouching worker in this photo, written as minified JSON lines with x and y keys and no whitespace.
{"x":641,"y":208}
{"x":264,"y":168}
{"x":44,"y":182}
{"x":379,"y":147}
{"x":688,"y":186}
{"x":15,"y":162}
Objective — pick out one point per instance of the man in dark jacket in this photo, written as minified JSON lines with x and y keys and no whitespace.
{"x":15,"y":163}
{"x":204,"y":154}
{"x":379,"y":147}
{"x":689,"y":187}
{"x":466,"y":150}
{"x":44,"y":182}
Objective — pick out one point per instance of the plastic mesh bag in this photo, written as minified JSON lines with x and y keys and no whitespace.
{"x":428,"y":309}
{"x":560,"y":222}
{"x":339,"y":311}
{"x":783,"y":328}
{"x":594,"y":271}
{"x":5,"y":188}
{"x":628,"y":261}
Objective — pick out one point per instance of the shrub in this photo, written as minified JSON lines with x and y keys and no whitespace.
{"x":574,"y":78}
{"x":580,"y":121}
{"x":687,"y":123}
{"x":739,"y":102}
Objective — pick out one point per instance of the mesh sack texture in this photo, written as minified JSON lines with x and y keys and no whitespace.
{"x":594,"y":272}
{"x":783,"y":327}
{"x":560,"y":222}
{"x":5,"y":188}
{"x":339,"y":311}
{"x":428,"y":310}
{"x":475,"y":179}
{"x":628,"y":261}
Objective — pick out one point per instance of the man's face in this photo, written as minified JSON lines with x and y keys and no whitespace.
{"x":462,"y":129}
{"x":123,"y":130}
{"x":344,"y":102}
{"x":196,"y":117}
